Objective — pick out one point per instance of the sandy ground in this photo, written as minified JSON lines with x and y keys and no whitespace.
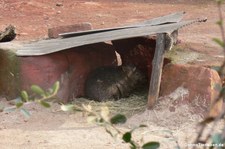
{"x":50,"y":128}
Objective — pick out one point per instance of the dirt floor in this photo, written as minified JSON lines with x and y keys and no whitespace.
{"x":51,"y":128}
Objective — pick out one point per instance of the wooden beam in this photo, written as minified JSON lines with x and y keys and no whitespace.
{"x":43,"y":47}
{"x":157,"y":63}
{"x":171,"y":18}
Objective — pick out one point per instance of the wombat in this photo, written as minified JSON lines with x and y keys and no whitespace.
{"x":113,"y":82}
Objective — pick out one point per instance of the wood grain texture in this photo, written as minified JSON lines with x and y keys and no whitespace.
{"x":171,"y":18}
{"x":156,"y":70}
{"x":54,"y":45}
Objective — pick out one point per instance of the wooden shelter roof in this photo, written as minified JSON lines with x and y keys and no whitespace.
{"x":164,"y":24}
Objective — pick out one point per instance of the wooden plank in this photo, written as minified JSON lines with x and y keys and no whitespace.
{"x":156,"y":70}
{"x":11,"y":46}
{"x":171,"y":18}
{"x":54,"y":45}
{"x":43,"y":47}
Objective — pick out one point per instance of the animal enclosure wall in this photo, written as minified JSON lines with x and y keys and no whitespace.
{"x":70,"y":67}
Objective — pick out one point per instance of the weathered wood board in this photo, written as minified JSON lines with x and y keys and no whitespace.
{"x":43,"y":47}
{"x":171,"y":18}
{"x":33,"y":56}
{"x":157,"y":65}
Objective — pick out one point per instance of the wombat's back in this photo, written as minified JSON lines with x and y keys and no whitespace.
{"x":112,"y":82}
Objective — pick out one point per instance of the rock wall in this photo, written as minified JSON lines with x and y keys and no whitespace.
{"x":203,"y":85}
{"x":71,"y":67}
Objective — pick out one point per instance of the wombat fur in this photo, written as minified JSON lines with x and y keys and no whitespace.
{"x":113,"y":82}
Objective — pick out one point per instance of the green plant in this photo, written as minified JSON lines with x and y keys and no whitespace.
{"x":217,"y":139}
{"x":38,"y":96}
{"x":101,"y":118}
{"x":109,"y":123}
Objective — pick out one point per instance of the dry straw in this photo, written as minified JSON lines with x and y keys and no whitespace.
{"x":129,"y":106}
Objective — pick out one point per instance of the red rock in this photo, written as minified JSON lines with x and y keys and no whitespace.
{"x":55,"y":31}
{"x":71,"y":67}
{"x":137,"y":51}
{"x":8,"y":75}
{"x":201,"y":83}
{"x":84,"y":59}
{"x":42,"y":70}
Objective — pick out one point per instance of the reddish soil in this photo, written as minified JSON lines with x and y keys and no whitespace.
{"x":32,"y":19}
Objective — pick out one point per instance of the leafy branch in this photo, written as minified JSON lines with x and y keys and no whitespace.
{"x":102,"y":119}
{"x":39,"y":96}
{"x":109,"y":123}
{"x":216,"y":138}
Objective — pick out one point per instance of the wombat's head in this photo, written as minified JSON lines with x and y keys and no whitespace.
{"x":128,"y":69}
{"x":133,"y":73}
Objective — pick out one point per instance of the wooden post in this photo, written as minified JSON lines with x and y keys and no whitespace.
{"x":156,"y":70}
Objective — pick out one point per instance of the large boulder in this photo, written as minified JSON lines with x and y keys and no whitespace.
{"x":42,"y":70}
{"x":202,"y":84}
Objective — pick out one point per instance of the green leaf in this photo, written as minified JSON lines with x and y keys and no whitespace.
{"x":25,"y":112}
{"x":68,"y":107}
{"x":222,"y":92}
{"x":217,"y":87}
{"x":118,"y":119}
{"x":216,"y":68}
{"x":38,"y":90}
{"x":19,"y":104}
{"x":24,"y":96}
{"x":219,"y":2}
{"x":219,"y":42}
{"x":9,"y":109}
{"x":220,"y":22}
{"x":15,"y":101}
{"x":100,"y":120}
{"x":56,"y":87}
{"x":1,"y":108}
{"x":151,"y":145}
{"x":133,"y":145}
{"x":140,"y":126}
{"x":47,"y":94}
{"x":217,"y":139}
{"x":127,"y":137}
{"x":45,"y":104}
